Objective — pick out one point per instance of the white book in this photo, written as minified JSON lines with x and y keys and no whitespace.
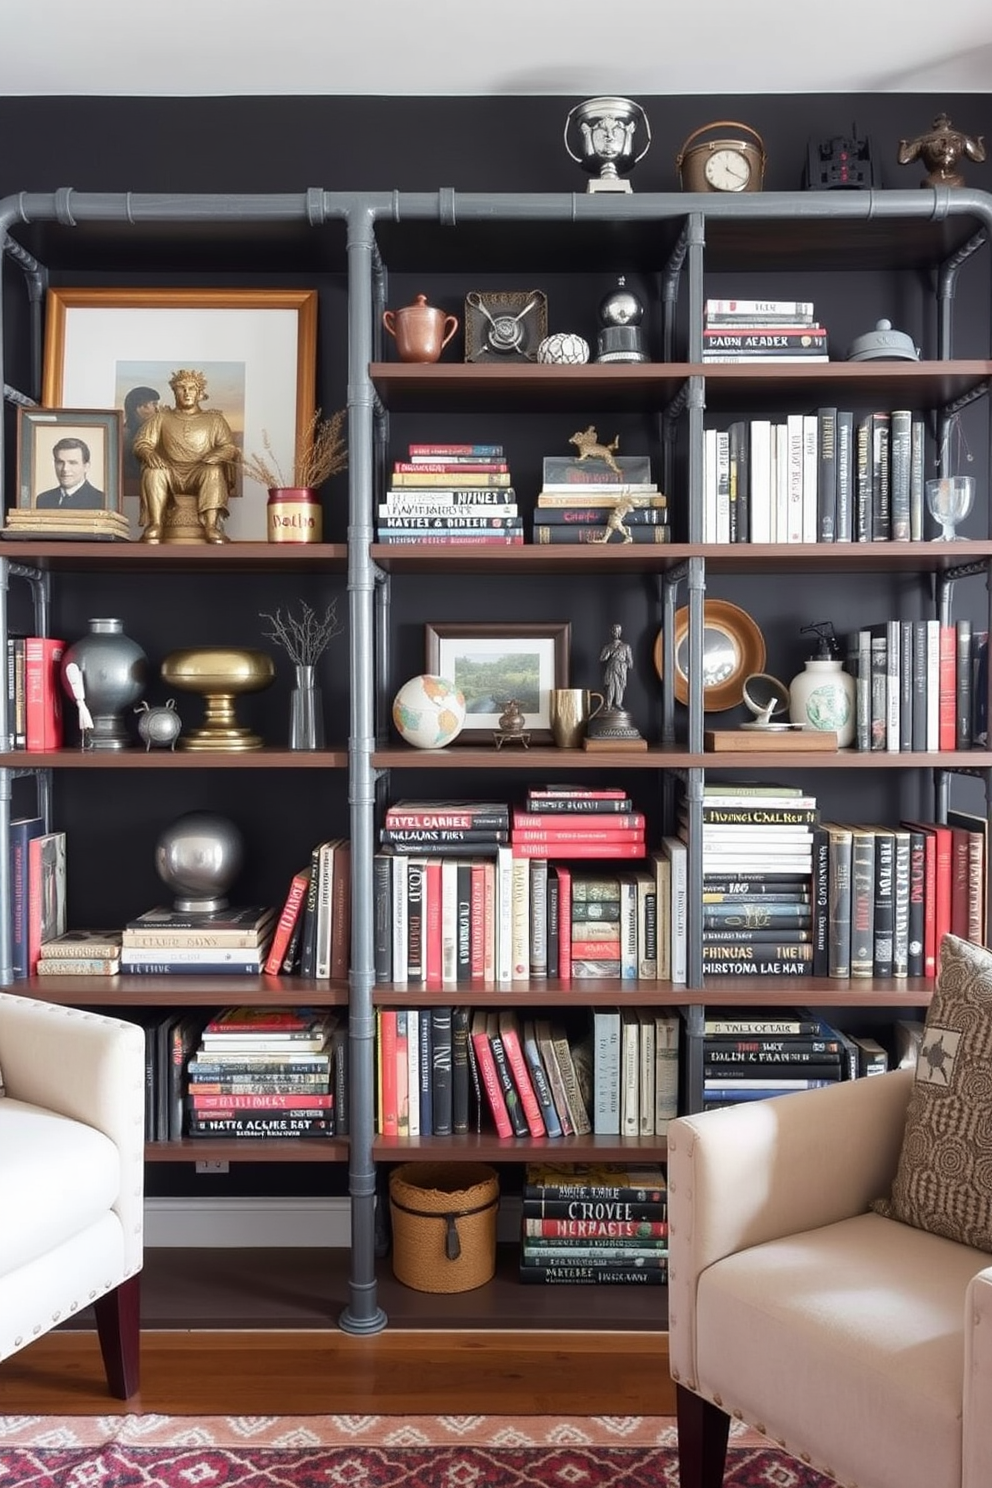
{"x":630,"y":1073}
{"x":399,"y":918}
{"x":722,"y":486}
{"x":794,"y":488}
{"x":709,"y":486}
{"x":628,"y":927}
{"x":538,"y":916}
{"x":678,"y":858}
{"x":504,"y":913}
{"x":933,"y":685}
{"x":646,"y":1075}
{"x":663,"y":913}
{"x":606,"y":1072}
{"x":449,"y":920}
{"x":780,"y":467}
{"x":811,"y":472}
{"x":413,"y":1067}
{"x":520,"y":923}
{"x":761,"y":480}
{"x":322,"y":929}
{"x":666,"y":1071}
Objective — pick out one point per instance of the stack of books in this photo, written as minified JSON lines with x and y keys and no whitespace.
{"x":227,"y":942}
{"x":81,"y":953}
{"x":594,"y":1225}
{"x":564,"y":821}
{"x":754,"y":1056}
{"x":451,"y":493}
{"x":82,"y":526}
{"x":263,"y":1072}
{"x":757,"y":850}
{"x":589,"y":501}
{"x":762,"y":330}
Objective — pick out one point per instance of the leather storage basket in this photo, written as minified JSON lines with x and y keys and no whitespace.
{"x":444,"y":1225}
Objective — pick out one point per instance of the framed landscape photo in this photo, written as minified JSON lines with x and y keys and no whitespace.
{"x":494,"y":663}
{"x":118,"y":349}
{"x":69,"y":460}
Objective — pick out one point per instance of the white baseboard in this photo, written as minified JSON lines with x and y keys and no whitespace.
{"x":294,"y":1223}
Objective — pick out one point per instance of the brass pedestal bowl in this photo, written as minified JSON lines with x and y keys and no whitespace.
{"x":220,"y":674}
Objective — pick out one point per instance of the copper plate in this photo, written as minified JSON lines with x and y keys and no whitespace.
{"x":733,"y":648}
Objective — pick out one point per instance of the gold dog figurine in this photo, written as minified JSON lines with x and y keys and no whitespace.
{"x":587,"y":443}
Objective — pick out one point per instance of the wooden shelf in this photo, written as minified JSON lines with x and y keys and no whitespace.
{"x":233,"y":557}
{"x":249,"y":1149}
{"x":542,"y":992}
{"x":894,"y":992}
{"x":578,"y":761}
{"x":487,"y":1147}
{"x":174,"y":759}
{"x":183,"y":991}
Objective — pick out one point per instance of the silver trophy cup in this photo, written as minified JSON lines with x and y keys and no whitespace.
{"x":605,"y":129}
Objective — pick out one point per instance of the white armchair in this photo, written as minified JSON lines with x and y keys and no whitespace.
{"x":71,"y":1178}
{"x":862,"y":1345}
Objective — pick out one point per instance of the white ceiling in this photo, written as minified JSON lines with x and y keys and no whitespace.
{"x":492,"y":47}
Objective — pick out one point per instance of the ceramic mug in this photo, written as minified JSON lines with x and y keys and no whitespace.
{"x":571,"y":709}
{"x":420,"y":331}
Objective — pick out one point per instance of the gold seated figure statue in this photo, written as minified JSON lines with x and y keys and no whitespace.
{"x":188,"y":457}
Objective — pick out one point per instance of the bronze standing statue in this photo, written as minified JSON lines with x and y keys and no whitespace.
{"x":940,"y":149}
{"x":617,"y":659}
{"x":186,"y":451}
{"x":612,"y":727}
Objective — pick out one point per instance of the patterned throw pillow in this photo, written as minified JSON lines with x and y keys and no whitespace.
{"x":944,"y":1179}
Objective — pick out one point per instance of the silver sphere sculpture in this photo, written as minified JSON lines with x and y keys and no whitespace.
{"x":198,"y":857}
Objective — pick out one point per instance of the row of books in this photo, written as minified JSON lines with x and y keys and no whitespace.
{"x":603,"y":1226}
{"x":286,"y":1073}
{"x":312,"y":935}
{"x":34,"y":692}
{"x":883,"y":897}
{"x":447,"y":493}
{"x":769,"y":330}
{"x":921,"y":685}
{"x":823,"y":476}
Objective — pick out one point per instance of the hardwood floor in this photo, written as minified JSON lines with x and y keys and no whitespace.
{"x":318,"y":1372}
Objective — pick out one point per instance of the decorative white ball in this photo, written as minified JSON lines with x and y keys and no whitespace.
{"x":429,"y":711}
{"x":564,"y":348}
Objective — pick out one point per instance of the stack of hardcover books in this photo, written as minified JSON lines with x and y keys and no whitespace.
{"x":757,"y":848}
{"x":451,"y":493}
{"x":81,"y":953}
{"x":762,"y":330}
{"x":226,"y":942}
{"x":564,"y":821}
{"x":81,"y":526}
{"x":594,"y":1225}
{"x":756,"y":1055}
{"x":263,"y":1072}
{"x":590,"y":501}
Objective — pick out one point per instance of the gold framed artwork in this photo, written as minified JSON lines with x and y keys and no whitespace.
{"x":118,"y":348}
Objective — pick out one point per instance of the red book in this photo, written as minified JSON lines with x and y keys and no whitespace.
{"x":596,"y":950}
{"x":509,"y":1029}
{"x":960,"y":882}
{"x":576,"y":792}
{"x":341,"y":911}
{"x":632,"y":849}
{"x":319,"y":1100}
{"x":488,"y":1076}
{"x":432,"y":922}
{"x":564,"y":876}
{"x":477,"y":921}
{"x":947,"y":689}
{"x":597,"y":1229}
{"x":553,"y":836}
{"x":286,"y":923}
{"x":389,"y":1124}
{"x":42,"y":692}
{"x":46,"y":893}
{"x":590,"y":821}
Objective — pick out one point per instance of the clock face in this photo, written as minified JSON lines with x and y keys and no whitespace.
{"x":727,"y":170}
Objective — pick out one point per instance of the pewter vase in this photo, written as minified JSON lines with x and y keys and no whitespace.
{"x":114,"y":670}
{"x":306,"y":717}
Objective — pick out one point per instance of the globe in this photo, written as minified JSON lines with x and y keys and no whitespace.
{"x":429,"y":711}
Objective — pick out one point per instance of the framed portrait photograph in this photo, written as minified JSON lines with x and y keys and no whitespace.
{"x":494,"y":663}
{"x":256,"y":349}
{"x":69,"y":460}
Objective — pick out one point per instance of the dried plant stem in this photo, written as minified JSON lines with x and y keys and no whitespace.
{"x":304,"y":639}
{"x":322,"y":453}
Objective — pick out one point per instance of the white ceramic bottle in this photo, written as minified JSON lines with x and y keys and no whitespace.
{"x":822,"y":696}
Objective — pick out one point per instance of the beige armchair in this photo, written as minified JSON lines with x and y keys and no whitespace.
{"x":861,"y":1345}
{"x":71,"y":1178}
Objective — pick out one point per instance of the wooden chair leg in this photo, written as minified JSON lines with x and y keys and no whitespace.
{"x":703,"y":1432}
{"x":118,"y":1326}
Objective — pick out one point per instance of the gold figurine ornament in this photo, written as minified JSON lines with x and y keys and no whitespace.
{"x":188,"y":458}
{"x":940,"y":149}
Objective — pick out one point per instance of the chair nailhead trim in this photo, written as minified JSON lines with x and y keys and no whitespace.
{"x":717,"y":1399}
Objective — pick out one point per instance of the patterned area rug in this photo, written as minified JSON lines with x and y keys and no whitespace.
{"x":368,"y":1452}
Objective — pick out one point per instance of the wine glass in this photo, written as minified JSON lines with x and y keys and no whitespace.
{"x":949,"y":500}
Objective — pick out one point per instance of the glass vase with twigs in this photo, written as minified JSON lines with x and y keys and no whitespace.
{"x":304,"y":638}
